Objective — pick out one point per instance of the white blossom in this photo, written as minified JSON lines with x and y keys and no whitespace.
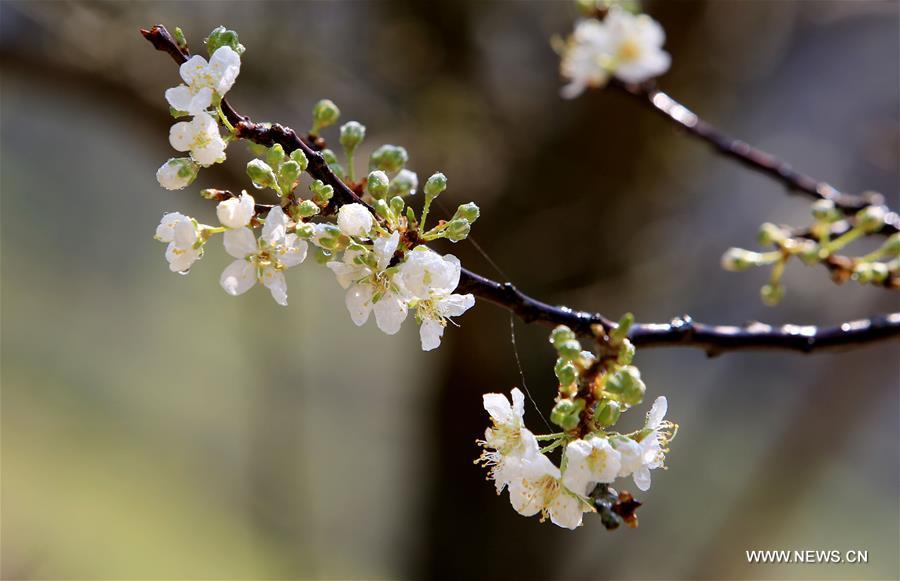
{"x":182,"y":233}
{"x":625,"y":45}
{"x":177,"y":173}
{"x":262,"y":260}
{"x":638,"y":457}
{"x":204,"y":80}
{"x":236,"y":212}
{"x":355,"y":220}
{"x":431,"y":279}
{"x":589,"y":462}
{"x":201,"y":137}
{"x":370,"y":283}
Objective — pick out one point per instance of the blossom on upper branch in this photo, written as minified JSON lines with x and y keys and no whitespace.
{"x":262,"y":260}
{"x":185,"y":245}
{"x":206,"y":82}
{"x":201,"y":137}
{"x":624,"y":45}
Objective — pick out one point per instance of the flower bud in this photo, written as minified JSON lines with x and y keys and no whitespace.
{"x":626,"y":353}
{"x":404,"y":183}
{"x":355,"y":220}
{"x":274,"y":156}
{"x":327,"y":236}
{"x":468,"y":212}
{"x":560,"y":335}
{"x":377,"y":184}
{"x":625,"y":385}
{"x":177,"y":173}
{"x":325,"y":113}
{"x":221,"y":36}
{"x":352,"y":134}
{"x":738,"y":259}
{"x":871,"y":218}
{"x":880,"y":272}
{"x":389,"y":158}
{"x":305,"y":230}
{"x":607,"y":413}
{"x":824,"y":211}
{"x":457,"y":230}
{"x":397,"y":204}
{"x":382,"y":208}
{"x":566,"y":373}
{"x":566,"y":413}
{"x":771,"y":234}
{"x":288,"y":174}
{"x":436,"y":184}
{"x":308,"y":208}
{"x":261,"y":174}
{"x":771,"y":294}
{"x":569,"y":349}
{"x":300,"y":157}
{"x":321,"y":192}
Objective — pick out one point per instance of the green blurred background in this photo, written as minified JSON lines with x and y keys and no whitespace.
{"x":155,"y":428}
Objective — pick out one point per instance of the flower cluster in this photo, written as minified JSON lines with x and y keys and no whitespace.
{"x":818,"y":245}
{"x":205,"y":84}
{"x":593,"y":392}
{"x":376,"y":247}
{"x":624,"y":45}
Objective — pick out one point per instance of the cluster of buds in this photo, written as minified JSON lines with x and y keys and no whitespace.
{"x":594,"y":391}
{"x":817,"y":245}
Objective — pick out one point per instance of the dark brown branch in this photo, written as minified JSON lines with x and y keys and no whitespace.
{"x":752,"y":157}
{"x":680,"y":332}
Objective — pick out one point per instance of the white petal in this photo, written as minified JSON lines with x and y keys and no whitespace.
{"x":184,"y":233}
{"x":224,"y":67}
{"x":181,"y":135}
{"x":455,"y":305}
{"x":238,"y":277}
{"x":165,"y":232}
{"x":181,"y":259}
{"x":385,"y":248}
{"x":274,"y":280}
{"x":193,"y":69}
{"x":179,"y":97}
{"x":390,"y":312}
{"x":359,"y":303}
{"x":201,"y":101}
{"x":235,"y":212}
{"x":355,"y":220}
{"x":346,"y":274}
{"x":430,"y":334}
{"x":240,"y":243}
{"x":275,"y":227}
{"x":566,"y":511}
{"x":498,"y":406}
{"x":657,"y":412}
{"x":642,"y":478}
{"x":293,"y":252}
{"x":518,"y":405}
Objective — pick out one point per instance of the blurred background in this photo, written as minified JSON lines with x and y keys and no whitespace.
{"x":155,"y":428}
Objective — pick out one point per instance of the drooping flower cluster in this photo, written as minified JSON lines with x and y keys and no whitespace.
{"x":593,"y":392}
{"x":375,"y":246}
{"x":205,"y":84}
{"x":820,"y":245}
{"x":624,"y":45}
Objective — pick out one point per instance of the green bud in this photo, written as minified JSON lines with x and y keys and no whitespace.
{"x":607,"y":413}
{"x":288,"y":174}
{"x":771,"y":234}
{"x":382,"y":208}
{"x":625,"y":385}
{"x":397,"y":204}
{"x":871,"y":218}
{"x":566,"y":373}
{"x":321,"y":192}
{"x":221,"y":36}
{"x":620,"y":332}
{"x":560,"y":335}
{"x":275,"y":155}
{"x":300,"y":157}
{"x":436,"y":184}
{"x":738,"y":259}
{"x":389,"y":158}
{"x":569,"y":349}
{"x":261,"y":174}
{"x":377,"y":184}
{"x":325,"y":113}
{"x":626,"y":353}
{"x":180,"y":40}
{"x":824,"y":211}
{"x":771,"y":294}
{"x":305,"y":230}
{"x":566,"y":413}
{"x":352,"y":134}
{"x":457,"y":230}
{"x":330,"y":237}
{"x":468,"y":212}
{"x":308,"y":208}
{"x":404,"y":183}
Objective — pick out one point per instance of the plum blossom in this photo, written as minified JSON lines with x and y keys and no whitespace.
{"x":201,"y":137}
{"x":431,"y":279}
{"x":262,"y":260}
{"x":370,"y":283}
{"x":182,"y":234}
{"x":647,"y":451}
{"x":236,"y":212}
{"x":589,"y":462}
{"x":177,"y":173}
{"x":625,"y":45}
{"x":355,"y":220}
{"x":204,"y":80}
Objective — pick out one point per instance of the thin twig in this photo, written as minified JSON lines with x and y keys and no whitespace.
{"x":680,"y":332}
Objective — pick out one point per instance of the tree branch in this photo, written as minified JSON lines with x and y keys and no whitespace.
{"x":766,"y":163}
{"x":680,"y":332}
